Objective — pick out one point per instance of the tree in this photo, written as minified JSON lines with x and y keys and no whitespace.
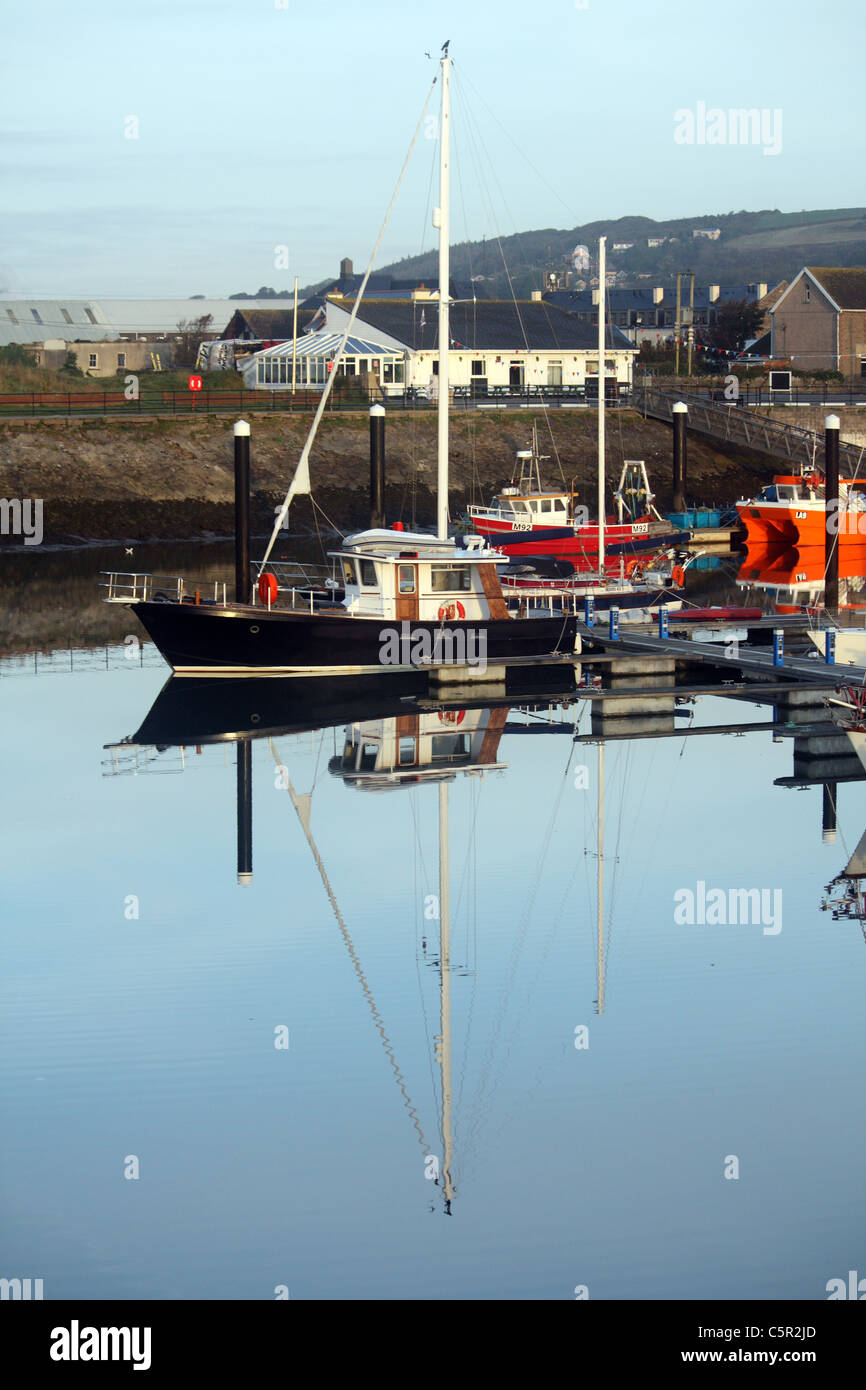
{"x":190,"y":333}
{"x":737,"y":321}
{"x":14,"y":355}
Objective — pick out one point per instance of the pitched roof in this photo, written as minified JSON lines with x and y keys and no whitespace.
{"x":845,"y":284}
{"x":325,"y":345}
{"x":268,"y":323}
{"x":488,"y":325}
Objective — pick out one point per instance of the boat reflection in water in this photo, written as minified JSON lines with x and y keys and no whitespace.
{"x":795,"y":578}
{"x":392,"y":741}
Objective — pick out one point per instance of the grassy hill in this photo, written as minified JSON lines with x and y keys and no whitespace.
{"x":754,"y":246}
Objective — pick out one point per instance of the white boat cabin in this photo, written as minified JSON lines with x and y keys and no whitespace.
{"x":382,"y":754}
{"x":523,"y":511}
{"x":417,"y":578}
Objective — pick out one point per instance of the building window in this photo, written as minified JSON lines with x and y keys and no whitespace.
{"x":121,"y":359}
{"x":36,"y":315}
{"x":94,"y":360}
{"x":478,"y":367}
{"x":554,"y":373}
{"x":807,"y":291}
{"x":11,"y":315}
{"x":66,"y":315}
{"x":447,"y":579}
{"x":863,"y":366}
{"x":90,"y":314}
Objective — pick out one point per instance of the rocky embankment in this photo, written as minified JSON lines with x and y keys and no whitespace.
{"x":143,"y":479}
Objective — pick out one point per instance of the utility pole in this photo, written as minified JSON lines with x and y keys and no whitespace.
{"x":677,"y":324}
{"x":691,"y":319}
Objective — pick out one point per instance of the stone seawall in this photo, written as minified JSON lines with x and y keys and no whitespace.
{"x":142,"y":479}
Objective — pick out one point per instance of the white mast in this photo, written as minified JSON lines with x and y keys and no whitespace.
{"x":441,"y":219}
{"x":445,"y":986}
{"x":599,"y":930}
{"x":601,"y":317}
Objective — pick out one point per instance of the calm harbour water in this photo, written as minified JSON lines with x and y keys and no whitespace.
{"x":144,"y":990}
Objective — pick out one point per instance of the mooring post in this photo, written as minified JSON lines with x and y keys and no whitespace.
{"x":680,"y":420}
{"x":830,"y":646}
{"x":663,"y":621}
{"x":245,"y":810}
{"x":614,"y":624}
{"x":832,"y":517}
{"x":377,"y":466}
{"x":589,"y":611}
{"x":778,"y":646}
{"x":828,"y":813}
{"x":243,"y":584}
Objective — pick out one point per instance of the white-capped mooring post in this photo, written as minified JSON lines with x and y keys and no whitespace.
{"x":680,"y":420}
{"x":243,"y":583}
{"x":377,"y":466}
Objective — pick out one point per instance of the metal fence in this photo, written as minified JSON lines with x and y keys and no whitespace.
{"x":114,"y":404}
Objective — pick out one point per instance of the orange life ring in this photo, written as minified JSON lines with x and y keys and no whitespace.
{"x":452,"y":716}
{"x":267,"y":588}
{"x":449,"y":611}
{"x":678,"y":576}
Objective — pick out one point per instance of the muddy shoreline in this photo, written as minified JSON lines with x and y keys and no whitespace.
{"x":135,"y":482}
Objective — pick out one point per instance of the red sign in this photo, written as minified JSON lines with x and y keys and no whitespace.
{"x":195,"y":383}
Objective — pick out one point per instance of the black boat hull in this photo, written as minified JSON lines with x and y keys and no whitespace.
{"x":204,"y":639}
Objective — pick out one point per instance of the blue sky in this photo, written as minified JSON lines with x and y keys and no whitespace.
{"x":261,"y":127}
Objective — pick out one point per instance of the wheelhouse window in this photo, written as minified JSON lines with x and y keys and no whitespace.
{"x":444,"y":747}
{"x":546,"y":504}
{"x":369,"y":579}
{"x":450,"y":579}
{"x":349,"y":572}
{"x":406,"y":579}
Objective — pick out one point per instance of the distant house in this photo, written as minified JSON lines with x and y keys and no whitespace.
{"x":819,"y":321}
{"x":387,"y":286}
{"x":656,"y":240}
{"x":623,"y":245}
{"x":711,"y":233}
{"x":649,"y":315}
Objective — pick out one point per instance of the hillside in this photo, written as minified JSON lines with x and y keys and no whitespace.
{"x":753,"y":246}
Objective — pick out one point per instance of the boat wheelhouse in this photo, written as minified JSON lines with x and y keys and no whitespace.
{"x":525,"y":518}
{"x":792,"y":511}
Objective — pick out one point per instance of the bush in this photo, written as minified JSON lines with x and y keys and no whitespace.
{"x":14,"y":355}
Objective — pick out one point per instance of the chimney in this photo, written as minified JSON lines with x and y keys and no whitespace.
{"x":762,"y":290}
{"x":658,"y":294}
{"x":346,"y":268}
{"x":713,"y":292}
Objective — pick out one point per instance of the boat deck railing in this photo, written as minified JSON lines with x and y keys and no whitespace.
{"x":122,"y":586}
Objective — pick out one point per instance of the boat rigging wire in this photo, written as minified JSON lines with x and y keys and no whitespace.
{"x":302,"y":471}
{"x":303,"y":816}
